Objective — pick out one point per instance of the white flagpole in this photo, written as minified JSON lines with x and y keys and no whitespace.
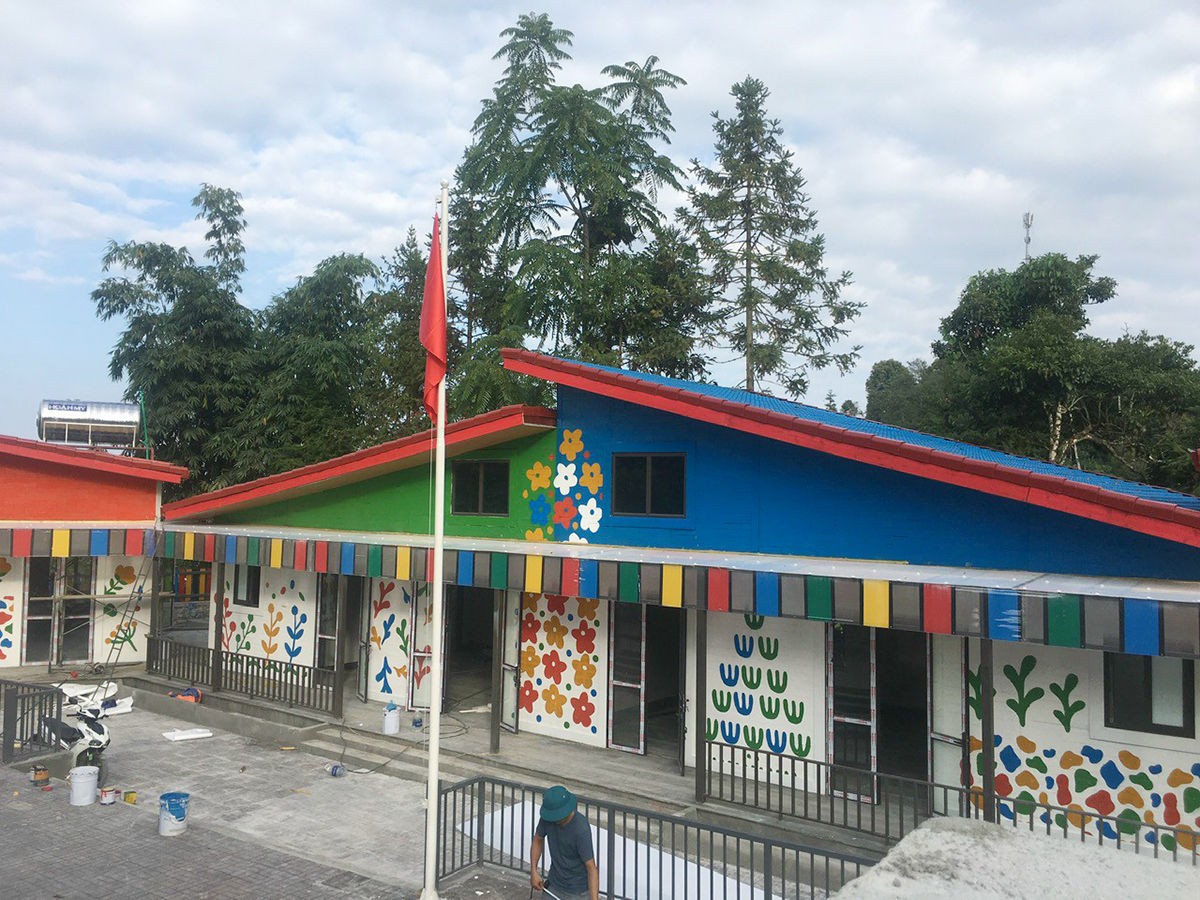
{"x":436,"y":589}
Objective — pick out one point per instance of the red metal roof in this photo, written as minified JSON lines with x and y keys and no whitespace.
{"x":479,"y":431}
{"x":1058,"y":492}
{"x":93,"y":460}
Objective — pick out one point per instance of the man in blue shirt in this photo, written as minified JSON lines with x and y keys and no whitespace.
{"x":573,"y":871}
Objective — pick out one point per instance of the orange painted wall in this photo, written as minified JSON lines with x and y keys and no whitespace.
{"x":35,"y":491}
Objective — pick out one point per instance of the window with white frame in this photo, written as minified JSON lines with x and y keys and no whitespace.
{"x":246,"y":581}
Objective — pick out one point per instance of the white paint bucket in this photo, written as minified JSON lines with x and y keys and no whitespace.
{"x":83,"y":785}
{"x":391,"y":721}
{"x":108,"y":796}
{"x":173,"y":812}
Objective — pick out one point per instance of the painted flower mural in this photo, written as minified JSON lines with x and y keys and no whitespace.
{"x":565,"y":496}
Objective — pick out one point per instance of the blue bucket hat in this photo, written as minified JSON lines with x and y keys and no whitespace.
{"x":557,"y":804}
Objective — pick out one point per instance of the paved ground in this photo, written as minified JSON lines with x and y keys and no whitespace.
{"x":264,"y":822}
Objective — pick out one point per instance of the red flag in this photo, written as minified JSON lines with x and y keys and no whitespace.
{"x":433,"y":323}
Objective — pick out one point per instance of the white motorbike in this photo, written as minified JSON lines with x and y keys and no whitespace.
{"x":85,"y":741}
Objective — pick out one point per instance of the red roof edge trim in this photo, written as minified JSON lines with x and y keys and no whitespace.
{"x":1048,"y":491}
{"x":360,"y":460}
{"x":94,"y":460}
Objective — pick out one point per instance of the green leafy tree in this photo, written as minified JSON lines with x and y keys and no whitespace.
{"x":316,"y":387}
{"x":555,"y":205}
{"x":1014,"y":370}
{"x":188,"y":343}
{"x":750,"y":215}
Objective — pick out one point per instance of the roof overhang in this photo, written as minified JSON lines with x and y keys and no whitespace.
{"x":489,"y":429}
{"x":91,"y":460}
{"x":1161,"y":520}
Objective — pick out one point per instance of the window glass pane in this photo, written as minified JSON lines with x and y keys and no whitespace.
{"x":1166,"y":697}
{"x":847,"y":599}
{"x":464,"y":496}
{"x":1125,"y":690}
{"x":77,"y":608}
{"x":626,"y":717}
{"x":495,"y":488}
{"x":968,"y":611}
{"x":1033,"y":617}
{"x":78,"y":571}
{"x":41,"y":581}
{"x":666,"y":485}
{"x":1181,"y":628}
{"x":1102,"y":623}
{"x":906,"y":606}
{"x":629,"y":484}
{"x":627,"y":643}
{"x":791,"y":595}
{"x":741,"y":592}
{"x":851,"y":673}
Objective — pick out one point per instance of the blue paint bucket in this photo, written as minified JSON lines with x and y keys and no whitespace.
{"x":172,"y":812}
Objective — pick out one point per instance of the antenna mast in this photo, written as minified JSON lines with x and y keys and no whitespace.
{"x":1027,"y":219}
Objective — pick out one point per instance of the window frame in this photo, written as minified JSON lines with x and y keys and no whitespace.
{"x":481,"y":493}
{"x":648,"y":491}
{"x":1139,"y":719}
{"x":247,"y":590}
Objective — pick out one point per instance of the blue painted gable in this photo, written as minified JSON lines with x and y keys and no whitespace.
{"x":753,"y":495}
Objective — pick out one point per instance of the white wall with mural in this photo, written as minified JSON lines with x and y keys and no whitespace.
{"x":563,"y":689}
{"x":766,"y":685}
{"x":12,"y":580}
{"x":120,"y":619}
{"x":389,"y":634}
{"x":282,"y":628}
{"x":1053,"y":746}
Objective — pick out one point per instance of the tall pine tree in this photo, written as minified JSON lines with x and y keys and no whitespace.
{"x":751,"y":218}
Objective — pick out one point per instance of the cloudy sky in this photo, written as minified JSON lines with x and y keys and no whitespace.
{"x":925,"y":130}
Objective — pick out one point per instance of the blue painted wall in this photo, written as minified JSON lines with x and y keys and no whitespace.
{"x":748,"y":494}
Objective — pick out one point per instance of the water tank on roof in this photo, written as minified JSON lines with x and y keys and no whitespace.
{"x":89,"y":423}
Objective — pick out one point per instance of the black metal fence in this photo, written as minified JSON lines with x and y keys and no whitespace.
{"x":265,"y":679}
{"x":889,"y":806}
{"x":22,"y":707}
{"x":640,"y":853}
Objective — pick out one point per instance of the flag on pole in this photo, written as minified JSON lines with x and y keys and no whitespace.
{"x":433,"y":323}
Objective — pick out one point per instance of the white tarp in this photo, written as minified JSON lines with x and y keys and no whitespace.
{"x":640,"y":871}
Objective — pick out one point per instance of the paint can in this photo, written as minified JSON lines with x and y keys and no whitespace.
{"x":130,"y":797}
{"x":108,"y":796}
{"x":391,"y":721}
{"x":39,"y":775}
{"x":83,"y":785}
{"x":173,"y":812}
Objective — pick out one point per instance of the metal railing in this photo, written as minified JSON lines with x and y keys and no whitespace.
{"x":179,"y":662}
{"x":252,"y":676}
{"x":890,"y":806}
{"x":22,"y":707}
{"x":279,"y":682}
{"x":641,"y":854}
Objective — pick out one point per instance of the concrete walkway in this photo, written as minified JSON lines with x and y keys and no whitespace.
{"x":264,"y":821}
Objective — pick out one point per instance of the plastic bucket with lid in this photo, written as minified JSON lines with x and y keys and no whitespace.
{"x":391,"y":721}
{"x":83,"y":785}
{"x":172,"y":812}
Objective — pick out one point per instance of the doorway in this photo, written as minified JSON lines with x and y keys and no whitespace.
{"x":645,"y":679}
{"x":879,"y":700}
{"x":469,"y":619}
{"x":58,"y":618}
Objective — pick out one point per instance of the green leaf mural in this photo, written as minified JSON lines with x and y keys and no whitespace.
{"x":800,"y":745}
{"x":755,"y":622}
{"x":768,"y":648}
{"x":794,"y":710}
{"x":753,"y":737}
{"x":722,"y":700}
{"x":769,"y":706}
{"x":1025,"y":698}
{"x":1070,"y":708}
{"x":752,"y":677}
{"x":777,"y":680}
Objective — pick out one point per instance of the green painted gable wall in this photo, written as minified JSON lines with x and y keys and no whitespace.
{"x":399,"y":501}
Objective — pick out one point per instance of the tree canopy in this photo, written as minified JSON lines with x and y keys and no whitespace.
{"x":1013,"y":369}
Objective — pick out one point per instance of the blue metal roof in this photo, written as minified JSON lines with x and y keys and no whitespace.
{"x":804,"y":412}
